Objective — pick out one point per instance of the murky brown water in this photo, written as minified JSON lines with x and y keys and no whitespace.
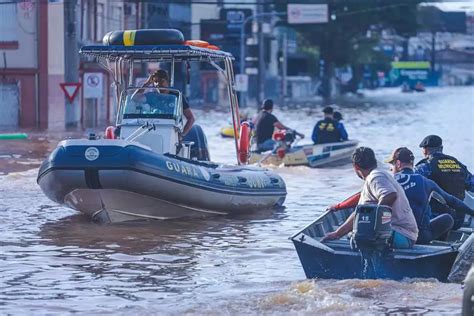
{"x":54,"y":260}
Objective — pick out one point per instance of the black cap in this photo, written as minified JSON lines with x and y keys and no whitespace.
{"x":337,"y":116}
{"x":432,"y":141}
{"x":267,"y":104}
{"x":328,"y":110}
{"x":403,"y":154}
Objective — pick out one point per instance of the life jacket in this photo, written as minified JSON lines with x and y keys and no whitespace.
{"x":414,"y":186}
{"x":448,"y":173}
{"x":327,"y":131}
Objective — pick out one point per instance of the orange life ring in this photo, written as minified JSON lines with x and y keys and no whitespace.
{"x":109,"y":132}
{"x":244,"y":142}
{"x":197,"y":43}
{"x":213,"y":47}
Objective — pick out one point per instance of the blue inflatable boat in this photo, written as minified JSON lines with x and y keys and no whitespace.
{"x":144,"y":168}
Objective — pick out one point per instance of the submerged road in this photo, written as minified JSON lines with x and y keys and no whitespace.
{"x":56,"y":261}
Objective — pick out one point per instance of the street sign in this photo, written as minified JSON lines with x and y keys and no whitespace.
{"x":307,"y":13}
{"x":241,"y":82}
{"x":70,"y":89}
{"x":234,"y":17}
{"x":251,"y":71}
{"x":93,"y":85}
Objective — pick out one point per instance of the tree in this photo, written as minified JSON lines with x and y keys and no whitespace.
{"x":349,"y":21}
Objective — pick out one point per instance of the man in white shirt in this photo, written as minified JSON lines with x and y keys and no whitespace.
{"x":381,"y":188}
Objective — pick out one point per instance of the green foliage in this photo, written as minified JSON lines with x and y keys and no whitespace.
{"x":350,"y":21}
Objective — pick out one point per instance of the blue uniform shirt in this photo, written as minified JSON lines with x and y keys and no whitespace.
{"x":340,"y":127}
{"x":418,"y":189}
{"x":424,"y":168}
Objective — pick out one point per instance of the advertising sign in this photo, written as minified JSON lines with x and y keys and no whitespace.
{"x":307,"y":13}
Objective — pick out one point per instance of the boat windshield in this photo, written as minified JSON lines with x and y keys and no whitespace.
{"x":150,"y":103}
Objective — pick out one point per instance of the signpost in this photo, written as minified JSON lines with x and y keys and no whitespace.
{"x":70,"y":89}
{"x":241,"y":82}
{"x":93,"y":85}
{"x":307,"y":13}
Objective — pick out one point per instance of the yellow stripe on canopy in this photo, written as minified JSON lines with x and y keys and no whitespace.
{"x":129,"y":38}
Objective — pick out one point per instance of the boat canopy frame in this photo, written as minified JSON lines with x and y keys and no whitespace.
{"x":119,"y":62}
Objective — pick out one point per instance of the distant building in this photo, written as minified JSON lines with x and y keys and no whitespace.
{"x":24,"y":65}
{"x":33,"y":62}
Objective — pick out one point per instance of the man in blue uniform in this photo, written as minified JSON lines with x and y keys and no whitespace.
{"x":327,"y":130}
{"x":418,"y":190}
{"x":450,"y":174}
{"x":342,"y":130}
{"x":265,"y":124}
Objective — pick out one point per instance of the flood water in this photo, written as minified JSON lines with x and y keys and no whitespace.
{"x":54,"y":260}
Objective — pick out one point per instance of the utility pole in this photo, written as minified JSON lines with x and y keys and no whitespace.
{"x":433,"y":50}
{"x":243,"y":42}
{"x":261,"y":58}
{"x":284,"y":66}
{"x":71,"y":60}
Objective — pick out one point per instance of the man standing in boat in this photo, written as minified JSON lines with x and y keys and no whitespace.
{"x":327,"y":130}
{"x":381,"y":188}
{"x":450,"y":174}
{"x":161,"y":79}
{"x":418,"y":190}
{"x":265,"y":124}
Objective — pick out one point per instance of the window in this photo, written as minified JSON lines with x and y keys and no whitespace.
{"x":8,"y":25}
{"x":149,"y":103}
{"x":116,"y":19}
{"x":100,"y":28}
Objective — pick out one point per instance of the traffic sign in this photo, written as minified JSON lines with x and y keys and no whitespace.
{"x":241,"y":82}
{"x":307,"y":13}
{"x":93,"y":85}
{"x":70,"y":89}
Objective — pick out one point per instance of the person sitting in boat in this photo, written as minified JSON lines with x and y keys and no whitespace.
{"x":161,"y":78}
{"x":327,"y":130}
{"x":419,"y":87}
{"x":418,"y":190}
{"x":265,"y":124}
{"x":381,"y":188}
{"x":448,"y":172}
{"x":342,"y":130}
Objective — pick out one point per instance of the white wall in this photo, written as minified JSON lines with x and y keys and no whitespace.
{"x":18,"y":23}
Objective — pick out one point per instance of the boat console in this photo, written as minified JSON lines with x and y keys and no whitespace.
{"x":153,"y":117}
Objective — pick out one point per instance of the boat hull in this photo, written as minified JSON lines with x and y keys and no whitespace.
{"x":130,"y":182}
{"x":320,"y":155}
{"x":349,"y":264}
{"x":337,"y":260}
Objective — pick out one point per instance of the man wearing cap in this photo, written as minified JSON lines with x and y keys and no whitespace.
{"x":161,"y":79}
{"x":418,"y":190}
{"x":327,"y":130}
{"x":382,"y":189}
{"x":265,"y":124}
{"x":450,"y":174}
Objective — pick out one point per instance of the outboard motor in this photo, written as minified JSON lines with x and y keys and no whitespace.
{"x":372,"y":227}
{"x":371,"y":236}
{"x":199,"y":150}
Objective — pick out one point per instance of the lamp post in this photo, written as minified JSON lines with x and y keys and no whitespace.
{"x":242,"y":42}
